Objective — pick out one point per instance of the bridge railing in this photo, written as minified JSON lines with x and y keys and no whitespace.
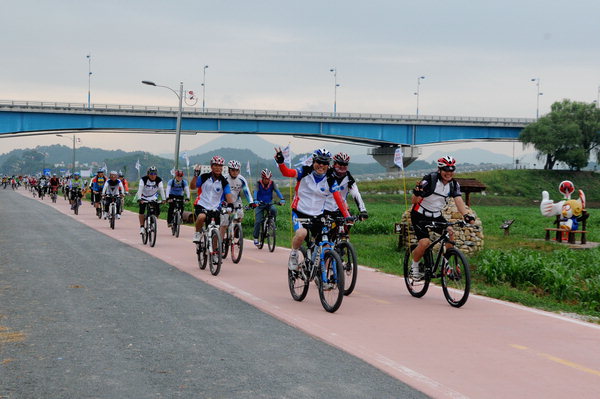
{"x":190,"y":111}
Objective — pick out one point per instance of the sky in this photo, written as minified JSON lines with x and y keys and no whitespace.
{"x":477,"y":57}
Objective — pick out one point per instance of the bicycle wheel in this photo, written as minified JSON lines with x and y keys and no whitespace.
{"x":225,"y":244}
{"x":152,"y":230}
{"x":331,"y":288}
{"x":456,"y":278}
{"x":237,"y":243}
{"x":215,"y":254}
{"x":348,"y":256}
{"x":112,"y":217}
{"x":261,"y":236}
{"x":99,"y":213}
{"x":417,"y":288}
{"x":76,"y":207}
{"x":270,"y":236}
{"x":298,"y":280}
{"x":145,"y":233}
{"x":202,"y":252}
{"x":177,"y":224}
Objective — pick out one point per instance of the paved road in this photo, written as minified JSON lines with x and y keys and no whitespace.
{"x":83,"y":315}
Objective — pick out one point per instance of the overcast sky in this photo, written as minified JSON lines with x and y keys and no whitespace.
{"x":478,"y":57}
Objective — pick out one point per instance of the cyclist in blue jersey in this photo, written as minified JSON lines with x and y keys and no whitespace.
{"x":263,"y":200}
{"x":96,"y":186}
{"x":213,"y":188}
{"x":176,"y":188}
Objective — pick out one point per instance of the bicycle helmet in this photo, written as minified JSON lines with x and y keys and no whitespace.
{"x":321,"y":155}
{"x":217,"y":160}
{"x":447,"y":162}
{"x":121,"y":174}
{"x":179,"y":173}
{"x":152,"y":169}
{"x":76,"y":174}
{"x":101,"y":170}
{"x":341,"y":158}
{"x":233,"y":164}
{"x":266,"y":173}
{"x":113,"y":172}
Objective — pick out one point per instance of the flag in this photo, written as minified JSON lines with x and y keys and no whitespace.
{"x":184,"y":155}
{"x":248,"y":168}
{"x":398,"y":158}
{"x":138,"y":165}
{"x":305,"y":160}
{"x":287,"y":155}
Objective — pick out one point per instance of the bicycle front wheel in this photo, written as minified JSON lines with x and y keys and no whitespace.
{"x":145,"y":232}
{"x":331,"y":281}
{"x":177,"y":224}
{"x":261,"y":237}
{"x":202,"y":252}
{"x":456,"y":278}
{"x":237,"y":243}
{"x":348,"y":256}
{"x":215,"y":254}
{"x":225,"y":244}
{"x":112,"y":217}
{"x":298,"y":280}
{"x":152,"y":230}
{"x":416,"y":287}
{"x":270,"y":235}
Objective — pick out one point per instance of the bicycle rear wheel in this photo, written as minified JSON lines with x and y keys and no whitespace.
{"x":298,"y":280}
{"x":331,"y":289}
{"x":152,"y":230}
{"x":202,"y":252}
{"x":348,"y":256}
{"x":270,"y":235}
{"x":237,"y":243}
{"x":215,"y":254}
{"x":417,"y":288}
{"x":456,"y":278}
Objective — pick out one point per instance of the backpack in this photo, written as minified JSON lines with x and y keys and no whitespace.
{"x":432,"y":179}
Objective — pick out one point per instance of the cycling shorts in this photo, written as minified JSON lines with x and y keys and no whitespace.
{"x":419,"y":221}
{"x":209,"y":214}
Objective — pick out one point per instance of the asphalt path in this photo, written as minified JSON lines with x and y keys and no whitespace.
{"x":83,"y":315}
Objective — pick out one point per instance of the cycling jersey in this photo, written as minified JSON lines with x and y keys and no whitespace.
{"x":113,"y":187}
{"x":177,"y":188}
{"x":237,"y":185}
{"x":97,"y":183}
{"x":347,"y":186}
{"x":264,"y":193}
{"x":435,"y":194}
{"x":312,"y":191}
{"x":75,"y":183}
{"x":148,"y":190}
{"x":211,"y":191}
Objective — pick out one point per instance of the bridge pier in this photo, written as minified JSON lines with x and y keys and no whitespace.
{"x":385,"y":155}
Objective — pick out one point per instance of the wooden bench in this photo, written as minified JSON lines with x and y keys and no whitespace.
{"x":571,"y":235}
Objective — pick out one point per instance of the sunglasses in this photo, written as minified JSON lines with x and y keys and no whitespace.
{"x":152,"y":173}
{"x":342,"y":163}
{"x":449,"y":168}
{"x":322,"y":163}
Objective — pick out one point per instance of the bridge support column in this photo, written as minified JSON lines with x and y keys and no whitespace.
{"x":385,"y":155}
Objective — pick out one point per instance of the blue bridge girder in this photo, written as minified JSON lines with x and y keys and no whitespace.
{"x":26,"y":118}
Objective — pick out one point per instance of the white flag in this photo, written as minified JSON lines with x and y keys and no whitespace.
{"x":248,"y":168}
{"x":138,"y":165}
{"x":184,"y":155}
{"x":306,"y":160}
{"x":287,"y":155}
{"x":398,"y":158}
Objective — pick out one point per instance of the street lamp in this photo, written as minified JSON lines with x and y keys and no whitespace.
{"x":178,"y":129}
{"x":417,"y":93}
{"x":89,"y":57}
{"x":204,"y":86}
{"x":537,"y":109}
{"x":335,"y":86}
{"x":74,"y":140}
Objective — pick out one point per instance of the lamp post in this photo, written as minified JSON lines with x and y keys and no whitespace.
{"x":204,"y":87}
{"x":418,"y":92}
{"x":335,"y":86}
{"x":537,"y":109}
{"x":74,"y":140}
{"x":89,"y":57}
{"x":178,"y":129}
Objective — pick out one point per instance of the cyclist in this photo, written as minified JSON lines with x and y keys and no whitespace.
{"x":124,"y":182}
{"x":312,"y":190}
{"x":150,"y":186}
{"x":263,"y":199}
{"x":96,"y":186}
{"x":344,"y":179}
{"x":54,"y":183}
{"x":430,"y":196}
{"x":76,"y":182}
{"x":42,"y":186}
{"x":237,"y":184}
{"x":176,"y":187}
{"x":113,"y":187}
{"x":212,"y":188}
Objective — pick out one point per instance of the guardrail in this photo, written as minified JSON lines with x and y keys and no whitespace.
{"x":224,"y":112}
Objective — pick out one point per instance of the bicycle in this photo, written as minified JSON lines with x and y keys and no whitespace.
{"x":344,"y":248}
{"x":210,"y":245}
{"x":98,"y":209}
{"x":112,"y":208}
{"x":150,"y":225}
{"x":53,"y":195}
{"x":450,"y":265}
{"x":234,"y":237}
{"x":268,"y":229}
{"x":177,"y":216}
{"x":76,"y":195}
{"x":321,"y":263}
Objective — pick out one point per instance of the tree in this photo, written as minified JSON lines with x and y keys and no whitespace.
{"x":569,"y":134}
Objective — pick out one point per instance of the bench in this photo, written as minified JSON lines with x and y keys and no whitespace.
{"x":571,"y":235}
{"x":506,"y":226}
